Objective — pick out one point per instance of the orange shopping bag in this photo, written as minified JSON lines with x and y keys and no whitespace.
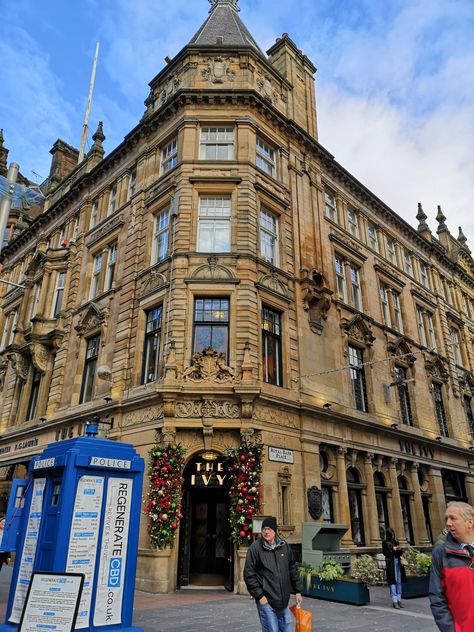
{"x":303,"y":619}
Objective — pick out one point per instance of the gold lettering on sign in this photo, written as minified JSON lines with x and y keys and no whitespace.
{"x":208,"y":474}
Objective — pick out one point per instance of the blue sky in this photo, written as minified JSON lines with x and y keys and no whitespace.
{"x":395,"y":86}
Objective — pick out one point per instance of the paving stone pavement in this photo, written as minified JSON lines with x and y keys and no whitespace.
{"x":219,"y":611}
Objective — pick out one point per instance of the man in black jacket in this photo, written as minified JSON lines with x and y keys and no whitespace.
{"x":271,"y":576}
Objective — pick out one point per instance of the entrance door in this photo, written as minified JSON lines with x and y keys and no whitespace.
{"x":205,"y":547}
{"x":209,"y":533}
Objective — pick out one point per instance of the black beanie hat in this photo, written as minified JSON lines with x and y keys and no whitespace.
{"x":270,"y":522}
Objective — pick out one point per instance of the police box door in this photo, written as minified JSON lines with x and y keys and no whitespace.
{"x":205,"y":547}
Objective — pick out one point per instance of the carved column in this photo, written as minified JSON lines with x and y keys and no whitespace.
{"x":396,"y":505}
{"x":418,"y":515}
{"x":373,"y":530}
{"x":438,"y":502}
{"x":344,"y":513}
{"x":45,"y":292}
{"x":311,"y":472}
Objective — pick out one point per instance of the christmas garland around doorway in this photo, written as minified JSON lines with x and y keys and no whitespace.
{"x":244,"y":465}
{"x":163,"y":504}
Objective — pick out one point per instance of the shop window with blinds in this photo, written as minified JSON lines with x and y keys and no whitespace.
{"x":152,"y":344}
{"x":357,"y":377}
{"x":272,"y":347}
{"x":211,"y":325}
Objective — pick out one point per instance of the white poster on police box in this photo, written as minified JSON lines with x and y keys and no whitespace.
{"x":113,"y":552}
{"x":83,"y":539}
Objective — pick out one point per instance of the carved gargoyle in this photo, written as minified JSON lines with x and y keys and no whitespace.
{"x":316,"y":298}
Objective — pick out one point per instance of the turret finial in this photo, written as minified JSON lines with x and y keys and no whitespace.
{"x":421,"y":217}
{"x":441,"y":219}
{"x":231,"y":3}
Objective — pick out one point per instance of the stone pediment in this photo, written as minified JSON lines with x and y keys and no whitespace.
{"x":435,"y":368}
{"x":272,"y":282}
{"x":212,"y":271}
{"x":401,"y":349}
{"x":152,"y":281}
{"x":358,"y":330}
{"x":91,"y":319}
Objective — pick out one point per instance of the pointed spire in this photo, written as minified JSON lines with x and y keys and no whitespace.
{"x":3,"y":156}
{"x":422,"y":217}
{"x":224,"y":28}
{"x":462,"y":239}
{"x":98,"y":139}
{"x":231,"y":3}
{"x":441,"y":219}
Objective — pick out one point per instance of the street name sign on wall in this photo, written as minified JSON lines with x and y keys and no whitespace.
{"x":52,"y":602}
{"x":280,"y":454}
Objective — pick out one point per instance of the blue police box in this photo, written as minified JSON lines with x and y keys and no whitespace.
{"x":79,"y":513}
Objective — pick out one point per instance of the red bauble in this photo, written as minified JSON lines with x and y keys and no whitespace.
{"x":242,"y":534}
{"x":243,"y":458}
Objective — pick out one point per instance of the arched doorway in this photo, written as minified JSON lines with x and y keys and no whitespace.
{"x":205,"y":548}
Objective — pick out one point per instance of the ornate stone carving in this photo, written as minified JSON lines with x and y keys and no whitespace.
{"x":208,"y":366}
{"x":92,"y":318}
{"x":435,"y":368}
{"x":212,"y":270}
{"x":20,"y":364}
{"x":169,"y":86}
{"x":247,"y":366}
{"x":3,"y":371}
{"x":316,"y":298}
{"x":208,"y":408}
{"x":273,"y":283}
{"x":402,"y":349}
{"x":218,"y":70}
{"x":167,"y":435}
{"x":152,"y":281}
{"x":40,"y":356}
{"x":250,"y":435}
{"x":142,"y":416}
{"x":265,"y":87}
{"x":358,"y":329}
{"x":171,"y":371}
{"x":276,"y":416}
{"x":315,"y":504}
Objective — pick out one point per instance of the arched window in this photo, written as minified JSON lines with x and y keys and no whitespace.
{"x":355,"y":506}
{"x":381,"y":501}
{"x":454,"y":488}
{"x":405,"y":504}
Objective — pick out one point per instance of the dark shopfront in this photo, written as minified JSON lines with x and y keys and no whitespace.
{"x":205,"y":548}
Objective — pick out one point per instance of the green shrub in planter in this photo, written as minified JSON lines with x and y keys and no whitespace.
{"x":329,"y":570}
{"x":365,"y":569}
{"x":305,"y":571}
{"x":418,"y":563}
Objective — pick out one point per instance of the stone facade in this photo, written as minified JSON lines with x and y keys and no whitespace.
{"x":343,"y":334}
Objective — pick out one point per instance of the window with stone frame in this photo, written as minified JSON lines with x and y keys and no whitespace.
{"x":96,"y":275}
{"x":440,"y":411}
{"x":391,"y":251}
{"x":265,"y":157}
{"x":94,"y":215}
{"x":357,"y":378}
{"x":214,"y":223}
{"x":354,"y":489}
{"x":372,"y":237}
{"x":89,"y":371}
{"x":381,"y":492}
{"x":211,"y":324}
{"x":35,"y":381}
{"x":330,"y":205}
{"x":132,"y":183}
{"x":356,"y":294}
{"x":406,"y":511}
{"x":391,"y":307}
{"x":424,"y":277}
{"x":152,"y":344}
{"x":59,"y":293}
{"x":426,"y":330}
{"x":467,"y":401}
{"x":112,"y":200}
{"x":348,"y":282}
{"x":269,"y":236}
{"x":272,"y":355}
{"x":353,"y":223}
{"x":111,"y":263}
{"x":217,"y":143}
{"x":169,"y":156}
{"x":340,"y":278}
{"x":401,"y":380}
{"x":408,"y":262}
{"x":161,"y":235}
{"x":456,"y":346}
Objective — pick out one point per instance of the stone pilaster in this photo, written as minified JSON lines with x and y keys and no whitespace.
{"x":343,"y":496}
{"x":395,"y":507}
{"x":373,"y":531}
{"x":418,"y":516}
{"x":438,"y":502}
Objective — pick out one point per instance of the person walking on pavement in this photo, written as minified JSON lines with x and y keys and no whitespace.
{"x":271,"y":575}
{"x":452,"y":572}
{"x":4,"y":555}
{"x":393,"y":567}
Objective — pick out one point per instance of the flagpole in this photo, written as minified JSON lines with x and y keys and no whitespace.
{"x":85,"y":127}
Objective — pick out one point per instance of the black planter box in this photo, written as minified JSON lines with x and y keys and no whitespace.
{"x":338,"y":590}
{"x":416,"y":587}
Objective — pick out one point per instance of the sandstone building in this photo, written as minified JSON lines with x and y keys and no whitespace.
{"x":220,"y":276}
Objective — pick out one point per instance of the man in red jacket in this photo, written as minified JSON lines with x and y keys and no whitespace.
{"x":452,"y":572}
